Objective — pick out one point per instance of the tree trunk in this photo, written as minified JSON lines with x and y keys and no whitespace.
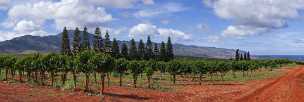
{"x":174,"y":78}
{"x":87,"y":82}
{"x":149,"y":81}
{"x":20,"y":76}
{"x":28,"y":75}
{"x":75,"y":79}
{"x":200,"y":78}
{"x":12,"y":74}
{"x":36,"y":76}
{"x":134,"y":81}
{"x":102,"y":77}
{"x":52,"y":78}
{"x":120,"y":79}
{"x":95,"y":77}
{"x":108,"y":77}
{"x":41,"y":77}
{"x":64,"y":78}
{"x":6,"y":74}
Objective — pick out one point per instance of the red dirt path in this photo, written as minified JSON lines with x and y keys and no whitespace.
{"x":287,"y":88}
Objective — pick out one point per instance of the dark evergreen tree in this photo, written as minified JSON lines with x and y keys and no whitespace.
{"x":124,"y":50}
{"x":163,"y":52}
{"x":156,"y":52}
{"x":115,"y":48}
{"x":245,"y":56}
{"x":149,"y":49}
{"x":133,"y":50}
{"x":76,"y":41}
{"x":97,"y":40}
{"x":65,"y":43}
{"x":107,"y":42}
{"x":85,"y":45}
{"x":237,"y":54}
{"x":169,"y":50}
{"x":141,"y":49}
{"x":248,"y":56}
{"x":241,"y":57}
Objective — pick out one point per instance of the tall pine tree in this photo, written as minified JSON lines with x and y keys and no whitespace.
{"x":97,"y":40}
{"x":149,"y":49}
{"x":248,"y":55}
{"x":245,"y":55}
{"x":76,"y":41}
{"x":170,"y":54}
{"x":241,"y":57}
{"x":155,"y":52}
{"x":115,"y":48}
{"x":133,"y":50}
{"x":141,"y":49}
{"x":107,"y":42}
{"x":65,"y":46}
{"x":124,"y":51}
{"x":163,"y":52}
{"x":85,"y":45}
{"x":237,"y":54}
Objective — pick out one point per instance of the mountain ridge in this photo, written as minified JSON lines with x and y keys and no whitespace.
{"x":29,"y":43}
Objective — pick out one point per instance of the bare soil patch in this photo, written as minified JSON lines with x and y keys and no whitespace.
{"x":286,"y":88}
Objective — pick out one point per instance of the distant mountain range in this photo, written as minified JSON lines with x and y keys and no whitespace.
{"x":29,"y":44}
{"x":290,"y":57}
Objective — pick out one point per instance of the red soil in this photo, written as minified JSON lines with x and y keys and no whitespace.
{"x":287,"y":88}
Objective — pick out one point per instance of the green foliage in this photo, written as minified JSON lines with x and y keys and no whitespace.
{"x":97,"y":40}
{"x":115,"y":49}
{"x":107,"y":42}
{"x":169,"y":50}
{"x":141,"y":49}
{"x":76,"y":41}
{"x":133,"y":53}
{"x":84,"y":60}
{"x":101,"y":63}
{"x":65,"y":45}
{"x":163,"y":51}
{"x":124,"y":51}
{"x":85,"y":44}
{"x":149,"y":49}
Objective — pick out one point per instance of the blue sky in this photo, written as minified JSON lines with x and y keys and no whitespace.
{"x":263,"y":27}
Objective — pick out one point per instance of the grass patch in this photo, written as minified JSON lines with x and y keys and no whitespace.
{"x":239,"y":77}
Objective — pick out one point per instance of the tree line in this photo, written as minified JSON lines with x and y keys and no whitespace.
{"x":242,"y":56}
{"x":135,"y":51}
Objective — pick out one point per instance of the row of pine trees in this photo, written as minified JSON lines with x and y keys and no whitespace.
{"x":133,"y":51}
{"x":242,"y":56}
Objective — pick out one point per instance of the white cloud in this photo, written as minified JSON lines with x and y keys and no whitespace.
{"x":255,"y":16}
{"x":242,"y":30}
{"x":113,"y":3}
{"x":30,"y":17}
{"x":163,"y":9}
{"x":81,"y":15}
{"x":148,"y":2}
{"x":64,"y":13}
{"x":143,"y":30}
{"x":173,"y":33}
{"x":26,"y":26}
